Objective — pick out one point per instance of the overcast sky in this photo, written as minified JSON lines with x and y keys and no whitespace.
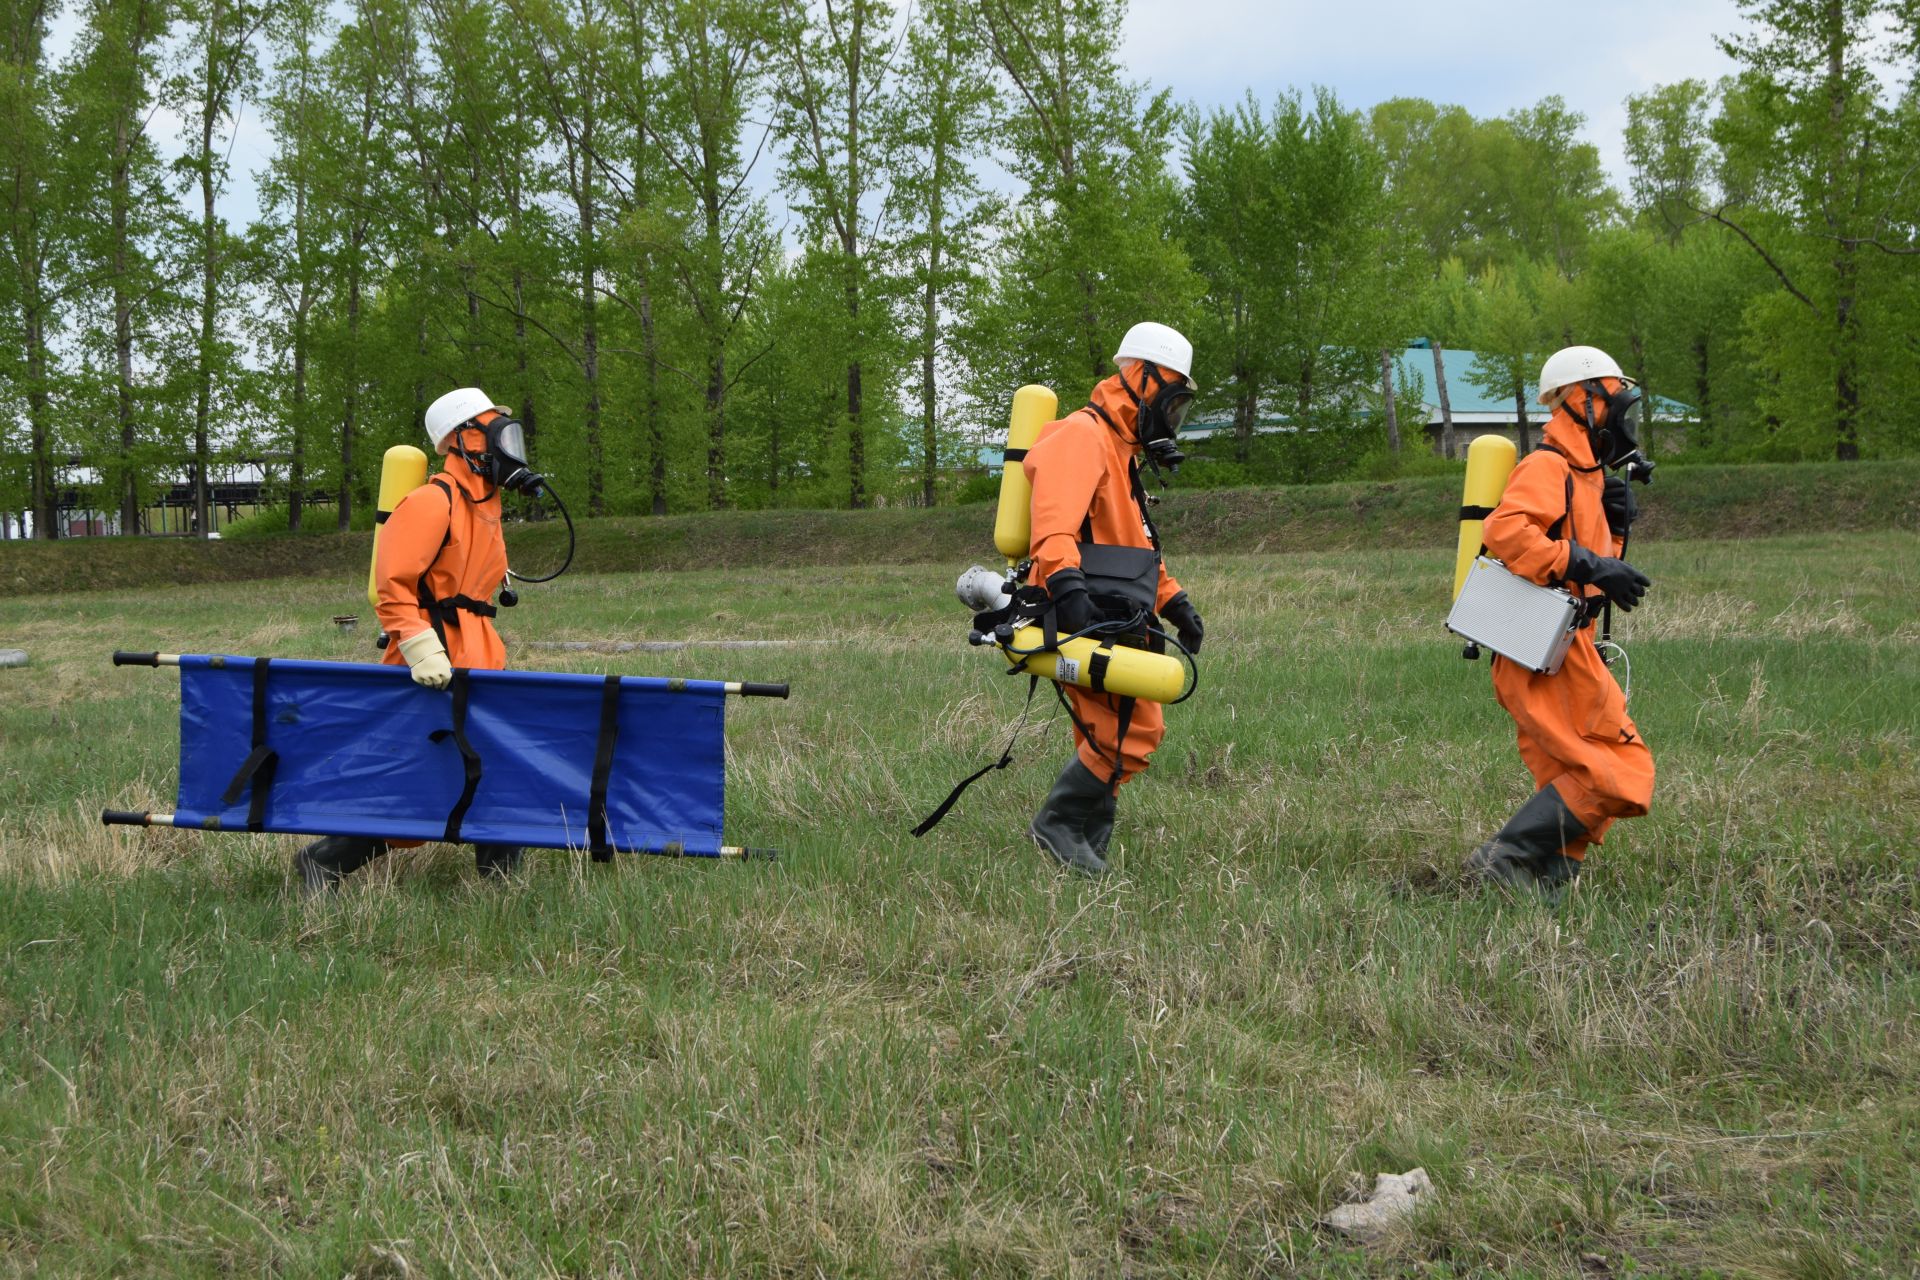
{"x":1490,"y":56}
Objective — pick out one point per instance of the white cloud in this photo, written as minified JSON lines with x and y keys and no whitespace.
{"x":1490,"y":56}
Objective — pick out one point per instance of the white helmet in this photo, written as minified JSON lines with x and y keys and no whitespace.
{"x":1571,"y":365}
{"x":455,"y":408}
{"x":1161,"y":344}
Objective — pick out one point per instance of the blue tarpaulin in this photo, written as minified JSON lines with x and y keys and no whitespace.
{"x":357,"y":749}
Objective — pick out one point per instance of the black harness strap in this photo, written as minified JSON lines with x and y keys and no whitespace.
{"x":1097,"y":667}
{"x":1120,"y":743}
{"x":602,"y":770}
{"x":461,"y":686}
{"x":257,"y":770}
{"x":932,"y":820}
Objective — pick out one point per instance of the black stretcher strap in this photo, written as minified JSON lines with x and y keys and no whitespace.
{"x":257,"y":770}
{"x":1120,"y":744}
{"x":461,"y":687}
{"x":932,"y":820}
{"x":602,"y":770}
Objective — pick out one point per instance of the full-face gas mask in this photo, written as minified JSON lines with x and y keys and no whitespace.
{"x":504,"y":463}
{"x":1161,"y":415}
{"x":1615,"y":434}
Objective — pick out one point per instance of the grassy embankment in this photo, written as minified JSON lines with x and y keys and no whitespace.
{"x":1683,"y":503}
{"x":886,"y":1057}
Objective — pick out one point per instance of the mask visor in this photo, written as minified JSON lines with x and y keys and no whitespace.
{"x":510,"y":440}
{"x":1626,"y":432}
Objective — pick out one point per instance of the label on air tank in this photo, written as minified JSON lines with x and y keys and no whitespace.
{"x":1067,"y":670}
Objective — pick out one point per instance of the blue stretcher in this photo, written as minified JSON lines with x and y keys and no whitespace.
{"x":609,"y":764}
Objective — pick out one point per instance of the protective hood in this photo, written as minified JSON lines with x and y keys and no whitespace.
{"x":1613,"y":406}
{"x":1567,"y":431}
{"x":1155,"y":403}
{"x":480,"y":488}
{"x":501,"y":454}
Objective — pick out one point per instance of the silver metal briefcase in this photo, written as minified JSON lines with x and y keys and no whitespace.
{"x":1519,"y":620}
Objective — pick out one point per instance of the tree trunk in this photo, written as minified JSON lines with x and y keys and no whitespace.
{"x":209,"y":268}
{"x":1246,"y":401}
{"x":350,"y":415}
{"x":45,"y":478}
{"x":716,"y":423}
{"x":856,"y":442}
{"x":929,"y":340}
{"x":716,"y":347}
{"x":590,"y":351}
{"x":1386,"y":392}
{"x":123,"y":322}
{"x":1702,"y":390}
{"x":297,"y":468}
{"x":1639,"y":348}
{"x":1446,"y":409}
{"x":1522,"y":424}
{"x":856,"y":426}
{"x":1846,"y":389}
{"x":656,"y":434}
{"x":529,"y":416}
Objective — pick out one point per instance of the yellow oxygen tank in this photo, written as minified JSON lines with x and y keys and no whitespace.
{"x":1034,"y":406}
{"x":402,"y":470}
{"x":1131,"y":673}
{"x":1490,"y":460}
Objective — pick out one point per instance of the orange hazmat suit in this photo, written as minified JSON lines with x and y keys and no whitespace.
{"x":443,"y":544}
{"x":1574,"y":732}
{"x":1086,"y":487}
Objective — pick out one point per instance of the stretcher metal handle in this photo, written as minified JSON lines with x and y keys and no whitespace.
{"x":752,"y":689}
{"x":125,"y":658}
{"x":134,"y":818}
{"x":730,"y":852}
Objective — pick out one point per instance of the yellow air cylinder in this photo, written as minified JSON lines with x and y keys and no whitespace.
{"x":1034,"y":406}
{"x":402,"y":470}
{"x":1490,"y":460}
{"x":1131,"y":673}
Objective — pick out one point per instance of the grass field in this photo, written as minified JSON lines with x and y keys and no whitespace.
{"x":883,"y":1057}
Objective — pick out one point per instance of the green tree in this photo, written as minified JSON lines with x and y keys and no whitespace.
{"x":218,"y":71}
{"x":1090,"y":250}
{"x":940,"y":125}
{"x":707,"y":227}
{"x":1816,"y":183}
{"x":834,"y":90}
{"x":29,"y":291}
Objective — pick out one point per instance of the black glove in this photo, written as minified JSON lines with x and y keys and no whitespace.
{"x":1072,"y":606}
{"x":1186,"y":621}
{"x":1621,"y":506}
{"x":1621,"y":582}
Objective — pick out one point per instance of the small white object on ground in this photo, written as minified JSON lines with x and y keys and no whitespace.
{"x":13,"y":657}
{"x":1395,"y":1198}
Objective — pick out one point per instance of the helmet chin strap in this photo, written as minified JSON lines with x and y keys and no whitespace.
{"x":480,"y":466}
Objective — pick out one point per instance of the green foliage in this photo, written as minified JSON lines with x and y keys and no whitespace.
{"x":561,"y":201}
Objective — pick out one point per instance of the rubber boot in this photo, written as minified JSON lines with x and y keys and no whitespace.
{"x":1061,"y":825}
{"x":1100,"y":822}
{"x":327,"y":861}
{"x":496,"y":861}
{"x":1527,"y":855}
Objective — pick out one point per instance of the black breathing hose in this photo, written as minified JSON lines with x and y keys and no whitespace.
{"x":572,"y":543}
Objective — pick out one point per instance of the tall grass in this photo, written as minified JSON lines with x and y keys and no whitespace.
{"x":882,"y":1056}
